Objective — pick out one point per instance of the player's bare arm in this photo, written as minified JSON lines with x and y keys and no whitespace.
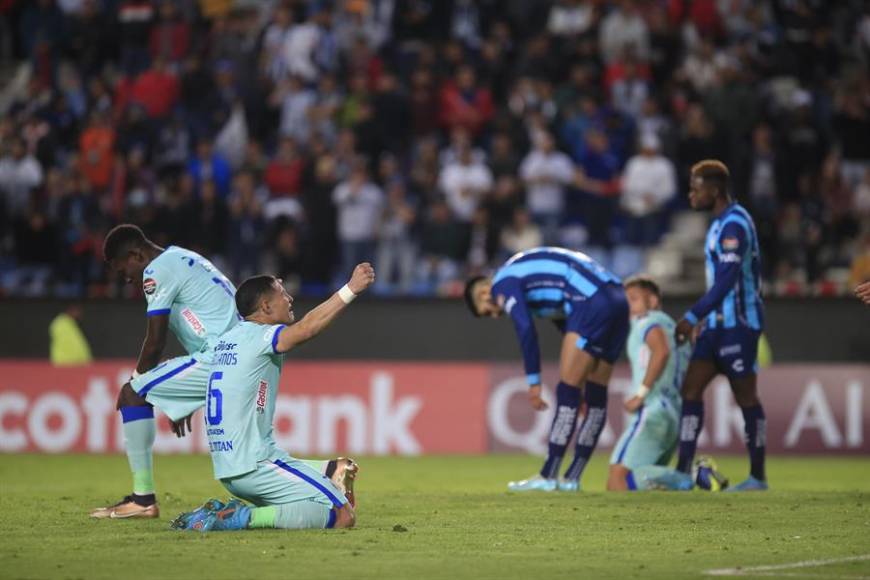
{"x":659,"y":351}
{"x":318,"y":319}
{"x":155,"y":342}
{"x":863,"y":292}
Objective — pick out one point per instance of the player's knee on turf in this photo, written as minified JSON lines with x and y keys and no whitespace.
{"x":616,"y":478}
{"x":129,"y":398}
{"x":345,"y":517}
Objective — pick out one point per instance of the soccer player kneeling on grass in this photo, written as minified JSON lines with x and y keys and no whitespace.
{"x":285,"y":492}
{"x":657,"y":369}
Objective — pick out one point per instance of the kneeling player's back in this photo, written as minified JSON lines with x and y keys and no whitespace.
{"x":241,"y":398}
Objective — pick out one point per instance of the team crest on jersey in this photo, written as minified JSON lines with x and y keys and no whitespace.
{"x":149,"y":286}
{"x":730,"y":244}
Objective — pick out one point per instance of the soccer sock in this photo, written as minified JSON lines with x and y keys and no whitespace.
{"x":756,"y":439}
{"x":691,"y":423}
{"x":298,"y":515}
{"x":139,"y":432}
{"x":564,"y":421}
{"x":590,"y":429}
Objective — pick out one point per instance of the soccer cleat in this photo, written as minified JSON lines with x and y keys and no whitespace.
{"x":569,"y":485}
{"x":198,"y":518}
{"x":343,"y":477}
{"x":669,"y":480}
{"x":534,"y":483}
{"x":126,"y":508}
{"x":706,"y":475}
{"x":234,"y":516}
{"x":751,"y":484}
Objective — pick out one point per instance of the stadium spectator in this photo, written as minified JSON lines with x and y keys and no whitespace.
{"x":522,"y":234}
{"x":397,"y":250}
{"x":359,"y":202}
{"x":68,"y":345}
{"x":207,"y":164}
{"x":465,"y":104}
{"x":465,"y":182}
{"x":546,"y":172}
{"x":20,"y":174}
{"x":649,"y":182}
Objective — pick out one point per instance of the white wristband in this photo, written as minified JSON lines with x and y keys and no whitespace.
{"x":643,"y":391}
{"x":346,"y":294}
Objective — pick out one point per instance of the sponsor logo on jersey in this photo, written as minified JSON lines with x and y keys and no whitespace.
{"x":730,"y":243}
{"x":193,"y":322}
{"x":261,"y":396}
{"x":149,"y":286}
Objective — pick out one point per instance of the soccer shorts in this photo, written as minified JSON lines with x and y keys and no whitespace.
{"x":177,"y":387}
{"x":289,"y":480}
{"x":602,"y":322}
{"x":650,"y":438}
{"x":734,"y":351}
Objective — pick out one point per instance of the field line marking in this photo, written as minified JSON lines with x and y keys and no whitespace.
{"x":754,"y":570}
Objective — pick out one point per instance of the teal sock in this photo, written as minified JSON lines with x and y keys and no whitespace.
{"x":139,"y":432}
{"x":300,"y":515}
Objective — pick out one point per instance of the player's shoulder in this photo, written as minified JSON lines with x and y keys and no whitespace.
{"x":653,"y":319}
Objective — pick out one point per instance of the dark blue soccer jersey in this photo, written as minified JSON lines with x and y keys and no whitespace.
{"x":546,"y":282}
{"x":733,"y":295}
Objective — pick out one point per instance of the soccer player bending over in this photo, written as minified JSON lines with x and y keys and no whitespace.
{"x":729,"y":317}
{"x":285,"y":492}
{"x":657,"y":369}
{"x":186,"y":294}
{"x":587,"y":303}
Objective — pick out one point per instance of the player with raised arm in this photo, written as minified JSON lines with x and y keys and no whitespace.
{"x":286,"y":493}
{"x":587,"y":303}
{"x":658,"y":365}
{"x":186,"y":294}
{"x":729,"y":318}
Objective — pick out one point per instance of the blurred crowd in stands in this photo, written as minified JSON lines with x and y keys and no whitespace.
{"x":431,"y":137}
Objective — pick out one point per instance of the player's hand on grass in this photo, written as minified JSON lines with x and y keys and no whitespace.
{"x":535,"y":399}
{"x":363,"y":276}
{"x":633,"y":404}
{"x":178,"y":427}
{"x":683,"y":331}
{"x":863,"y":292}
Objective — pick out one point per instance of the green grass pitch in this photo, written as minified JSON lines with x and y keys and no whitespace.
{"x":441,"y":517}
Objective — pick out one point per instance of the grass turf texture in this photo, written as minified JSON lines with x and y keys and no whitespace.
{"x":438,"y":517}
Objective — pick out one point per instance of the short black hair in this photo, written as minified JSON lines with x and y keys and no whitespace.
{"x":713,"y":171}
{"x":643,"y":282}
{"x":122,"y":238}
{"x":469,"y":293}
{"x":250,"y":293}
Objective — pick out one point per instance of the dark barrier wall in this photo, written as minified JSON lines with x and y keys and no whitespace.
{"x":805,"y":330}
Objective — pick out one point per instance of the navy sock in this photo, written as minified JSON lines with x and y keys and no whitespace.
{"x":590,"y":429}
{"x":756,"y":439}
{"x":564,"y":421}
{"x":691,"y":423}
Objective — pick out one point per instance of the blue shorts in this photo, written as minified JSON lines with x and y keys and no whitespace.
{"x":602,"y":322}
{"x":734,"y":351}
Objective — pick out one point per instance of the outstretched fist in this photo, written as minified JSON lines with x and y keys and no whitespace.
{"x":363,"y":276}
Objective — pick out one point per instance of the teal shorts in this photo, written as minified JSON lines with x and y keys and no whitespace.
{"x":289,"y":480}
{"x":177,"y":387}
{"x":650,"y":438}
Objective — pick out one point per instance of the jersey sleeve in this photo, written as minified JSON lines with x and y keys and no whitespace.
{"x":161,"y":287}
{"x":515,"y":306}
{"x":269,"y":344}
{"x":731,"y":247}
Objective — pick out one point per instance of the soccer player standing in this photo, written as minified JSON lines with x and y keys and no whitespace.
{"x":587,"y":303}
{"x":185,"y":293}
{"x":287,"y":493}
{"x":729,"y":318}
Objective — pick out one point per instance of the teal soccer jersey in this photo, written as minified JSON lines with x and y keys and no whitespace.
{"x":198,"y":298}
{"x":668,"y":385}
{"x":241,"y":398}
{"x":651,"y":437}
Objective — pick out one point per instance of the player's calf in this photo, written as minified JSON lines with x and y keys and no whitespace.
{"x":617,"y":478}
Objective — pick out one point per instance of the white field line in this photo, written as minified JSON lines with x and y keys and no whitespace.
{"x":774,"y":570}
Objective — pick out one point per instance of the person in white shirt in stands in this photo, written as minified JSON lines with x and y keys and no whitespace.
{"x":546,"y":172}
{"x":360,"y":205}
{"x":521,"y":234}
{"x":464,"y":183}
{"x":648,"y":184}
